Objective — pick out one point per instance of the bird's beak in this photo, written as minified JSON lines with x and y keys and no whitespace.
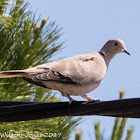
{"x":126,"y":52}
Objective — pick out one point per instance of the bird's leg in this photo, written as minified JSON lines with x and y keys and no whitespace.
{"x":66,"y":95}
{"x":90,"y":99}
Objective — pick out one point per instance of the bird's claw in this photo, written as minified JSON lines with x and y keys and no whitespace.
{"x":91,"y":101}
{"x":70,"y":102}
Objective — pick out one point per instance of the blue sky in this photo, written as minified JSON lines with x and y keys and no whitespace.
{"x":87,"y":25}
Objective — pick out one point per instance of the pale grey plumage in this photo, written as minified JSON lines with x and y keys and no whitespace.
{"x":77,"y":75}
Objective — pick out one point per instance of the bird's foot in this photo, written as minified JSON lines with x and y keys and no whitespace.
{"x":72,"y":100}
{"x":90,"y":99}
{"x":94,"y":100}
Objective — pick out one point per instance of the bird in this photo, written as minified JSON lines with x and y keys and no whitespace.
{"x":76,"y":75}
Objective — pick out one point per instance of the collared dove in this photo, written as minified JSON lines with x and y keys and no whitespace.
{"x":77,"y":75}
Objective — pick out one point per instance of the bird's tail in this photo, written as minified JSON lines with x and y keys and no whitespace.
{"x":12,"y":73}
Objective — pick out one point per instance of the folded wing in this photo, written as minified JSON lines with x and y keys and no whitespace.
{"x":80,"y":69}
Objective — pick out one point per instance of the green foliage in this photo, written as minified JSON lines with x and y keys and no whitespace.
{"x":116,"y":128}
{"x":78,"y":135}
{"x":24,"y":44}
{"x":97,"y":132}
{"x":61,"y":128}
{"x":129,"y":133}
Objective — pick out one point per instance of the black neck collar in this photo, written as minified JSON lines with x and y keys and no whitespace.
{"x":101,"y":53}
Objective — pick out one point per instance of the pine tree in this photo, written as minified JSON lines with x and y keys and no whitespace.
{"x":23,"y":44}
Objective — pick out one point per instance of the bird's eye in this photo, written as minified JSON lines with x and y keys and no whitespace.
{"x":116,"y":44}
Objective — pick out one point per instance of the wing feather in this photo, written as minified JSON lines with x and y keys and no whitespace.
{"x":76,"y":70}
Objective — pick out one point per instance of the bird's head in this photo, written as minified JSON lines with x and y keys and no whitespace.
{"x":113,"y":47}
